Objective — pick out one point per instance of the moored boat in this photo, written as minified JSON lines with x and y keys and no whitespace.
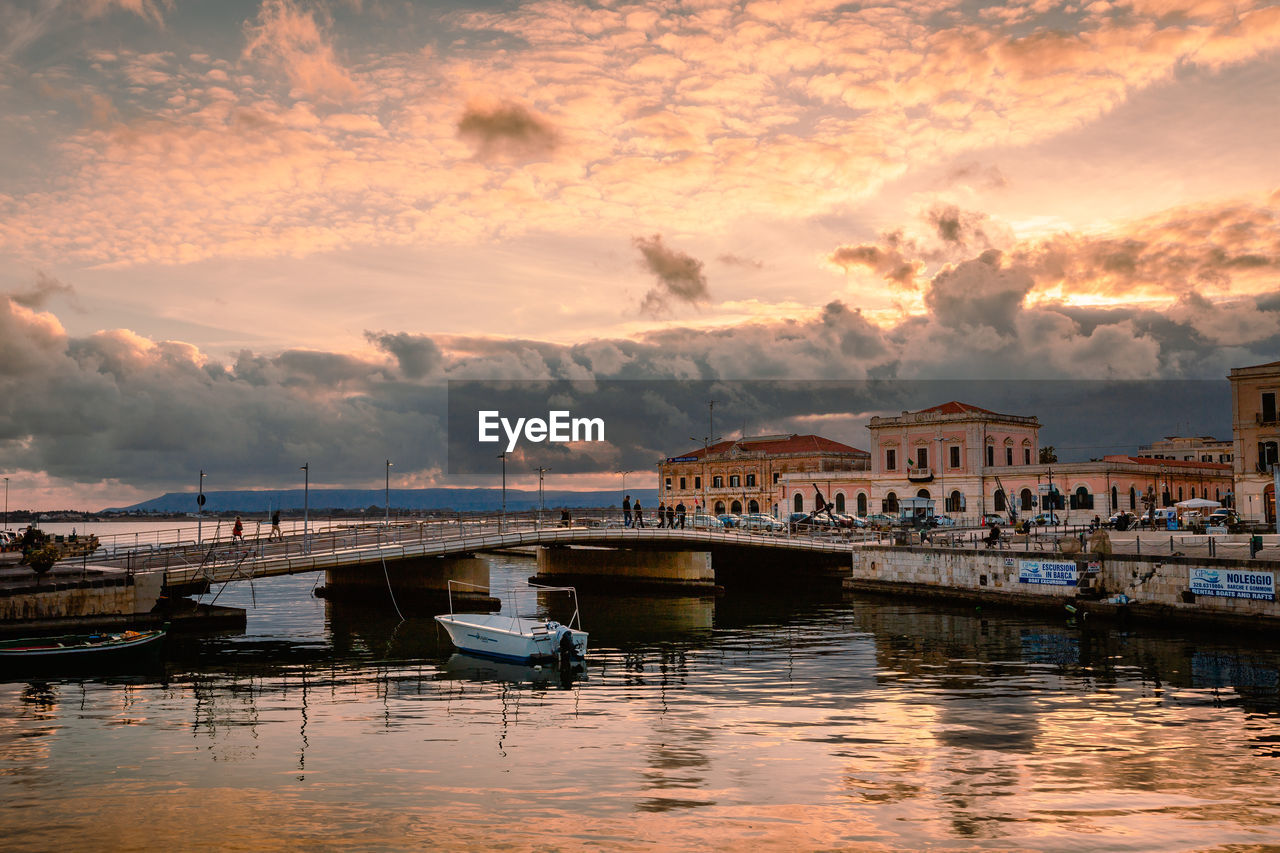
{"x":517,"y":638}
{"x":76,"y":650}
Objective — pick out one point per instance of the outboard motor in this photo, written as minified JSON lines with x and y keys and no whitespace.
{"x":565,"y":646}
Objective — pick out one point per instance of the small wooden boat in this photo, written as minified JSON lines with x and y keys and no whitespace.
{"x":522,"y":639}
{"x":77,"y":649}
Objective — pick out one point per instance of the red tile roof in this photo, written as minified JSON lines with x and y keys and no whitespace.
{"x":956,"y":408}
{"x":781,"y":445}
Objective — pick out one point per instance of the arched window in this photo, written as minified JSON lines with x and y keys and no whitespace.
{"x":1179,"y":492}
{"x":1133,"y":498}
{"x":1081,"y":499}
{"x":736,"y":507}
{"x":862,"y":504}
{"x":955,"y":502}
{"x":753,"y":507}
{"x":719,"y":508}
{"x":923,"y":493}
{"x":1027,"y":499}
{"x":839,"y":501}
{"x":735,"y":481}
{"x":799,"y":502}
{"x":891,"y":502}
{"x":999,"y":500}
{"x":1115,"y":500}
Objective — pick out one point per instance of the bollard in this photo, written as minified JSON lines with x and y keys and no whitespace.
{"x":1255,"y":545}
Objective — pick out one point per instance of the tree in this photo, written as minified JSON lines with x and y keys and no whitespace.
{"x":1048,"y":453}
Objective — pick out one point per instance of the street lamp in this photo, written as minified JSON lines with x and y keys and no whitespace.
{"x":706,"y":452}
{"x":541,"y":471}
{"x":6,"y":503}
{"x":624,"y":483}
{"x":199,"y":508}
{"x":306,"y":505}
{"x":387,"y":522}
{"x":503,"y":523}
{"x":942,"y":474}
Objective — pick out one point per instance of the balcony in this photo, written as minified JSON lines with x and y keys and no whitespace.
{"x":919,"y":475}
{"x":1262,"y":420}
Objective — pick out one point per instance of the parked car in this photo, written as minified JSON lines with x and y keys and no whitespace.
{"x":761,"y":522}
{"x":943,"y":521}
{"x":701,"y":521}
{"x":880,"y":520}
{"x":990,"y":518}
{"x":1045,"y":519}
{"x":1123,"y":520}
{"x":730,"y":521}
{"x":802,"y":522}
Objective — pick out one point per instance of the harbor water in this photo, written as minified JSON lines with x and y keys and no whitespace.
{"x":745,"y":722}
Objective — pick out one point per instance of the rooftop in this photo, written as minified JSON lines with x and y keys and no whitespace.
{"x":777,"y":445}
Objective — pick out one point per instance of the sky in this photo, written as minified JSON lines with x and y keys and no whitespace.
{"x":239,"y":236}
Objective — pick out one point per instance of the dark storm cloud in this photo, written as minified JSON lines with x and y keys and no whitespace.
{"x":417,"y":355}
{"x":958,"y":227}
{"x":680,"y":276}
{"x":979,"y":292}
{"x":44,"y":289}
{"x":507,"y":130}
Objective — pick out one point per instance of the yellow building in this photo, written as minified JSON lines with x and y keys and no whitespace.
{"x":741,"y":475}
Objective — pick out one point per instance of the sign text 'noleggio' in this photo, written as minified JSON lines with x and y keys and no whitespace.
{"x":559,"y":427}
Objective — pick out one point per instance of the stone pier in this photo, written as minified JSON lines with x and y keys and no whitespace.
{"x":653,"y":571}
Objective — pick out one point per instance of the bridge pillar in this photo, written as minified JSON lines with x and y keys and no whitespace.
{"x":412,"y":576}
{"x":675,"y":571}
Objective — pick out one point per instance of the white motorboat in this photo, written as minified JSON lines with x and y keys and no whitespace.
{"x":514,"y":637}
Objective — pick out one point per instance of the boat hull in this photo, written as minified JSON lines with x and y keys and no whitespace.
{"x":507,"y":638}
{"x":81,"y":653}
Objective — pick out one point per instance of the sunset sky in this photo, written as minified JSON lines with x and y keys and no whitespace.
{"x":243,"y":235}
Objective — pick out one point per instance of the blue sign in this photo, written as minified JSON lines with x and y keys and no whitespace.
{"x":1234,"y":583}
{"x":1045,"y":572}
{"x":682,"y":459}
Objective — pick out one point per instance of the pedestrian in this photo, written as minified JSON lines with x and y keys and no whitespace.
{"x":626,"y":511}
{"x":275,"y":526}
{"x":680,"y":515}
{"x":639,"y":514}
{"x":671,"y":517}
{"x":237,"y":530}
{"x":565,"y":520}
{"x":662,"y":508}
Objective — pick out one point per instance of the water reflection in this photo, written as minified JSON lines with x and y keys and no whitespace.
{"x":846,"y":722}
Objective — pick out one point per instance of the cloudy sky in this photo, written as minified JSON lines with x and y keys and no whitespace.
{"x":243,"y":235}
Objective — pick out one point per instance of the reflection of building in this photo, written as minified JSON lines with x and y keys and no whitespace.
{"x":1198,"y":448}
{"x":742,"y":475}
{"x":961,"y":455}
{"x":1257,"y":433}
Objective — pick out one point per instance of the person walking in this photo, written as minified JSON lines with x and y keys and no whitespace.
{"x":671,"y":517}
{"x":237,"y":530}
{"x":680,"y":515}
{"x":626,"y":511}
{"x":662,"y":519}
{"x":275,"y":527}
{"x":639,"y":513}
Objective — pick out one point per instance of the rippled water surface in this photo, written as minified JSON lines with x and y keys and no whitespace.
{"x":737,"y":723}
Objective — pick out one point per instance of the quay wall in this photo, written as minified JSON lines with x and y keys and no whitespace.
{"x":58,"y":598}
{"x":1109,"y":584}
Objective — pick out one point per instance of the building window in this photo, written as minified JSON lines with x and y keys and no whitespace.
{"x":955,"y":501}
{"x":719,"y":508}
{"x":775,"y":478}
{"x":751,"y":481}
{"x":991,"y":455}
{"x":839,"y":501}
{"x":1028,"y":499}
{"x":682,"y":484}
{"x":1269,"y":407}
{"x":1179,"y":492}
{"x":1115,"y":499}
{"x":668,"y":483}
{"x":697,"y":482}
{"x":736,"y":507}
{"x":1008,"y":456}
{"x":735,"y":481}
{"x":753,"y":507}
{"x":799,"y":502}
{"x":717,"y":482}
{"x":1266,"y":456}
{"x":1081,"y":499}
{"x":955,"y":456}
{"x":922,"y":457}
{"x":1026,"y":456}
{"x":891,"y":460}
{"x":862,"y":504}
{"x":999,"y":500}
{"x":891,"y":503}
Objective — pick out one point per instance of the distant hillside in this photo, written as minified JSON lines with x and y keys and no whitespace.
{"x":464,"y":500}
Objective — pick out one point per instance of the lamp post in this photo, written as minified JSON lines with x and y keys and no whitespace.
{"x":199,"y":508}
{"x":541,"y":470}
{"x":306,"y":506}
{"x":624,"y":484}
{"x":706,"y":451}
{"x":502,"y":524}
{"x":6,"y":503}
{"x":942,"y":476}
{"x":387,"y":521}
